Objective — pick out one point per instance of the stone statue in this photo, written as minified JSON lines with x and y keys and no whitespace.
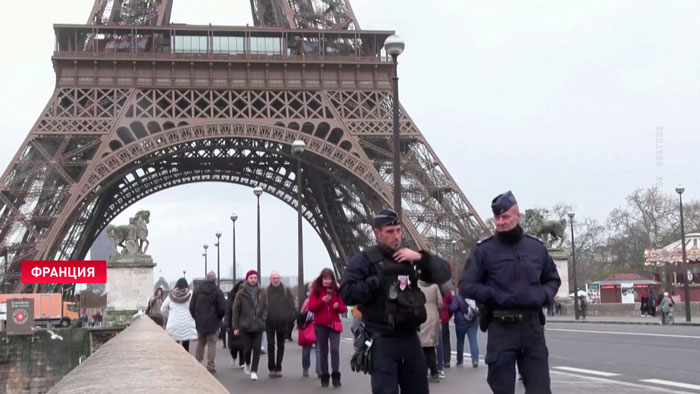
{"x":549,"y":231}
{"x":132,"y":237}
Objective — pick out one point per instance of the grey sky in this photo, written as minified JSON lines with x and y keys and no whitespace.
{"x":558,"y":101}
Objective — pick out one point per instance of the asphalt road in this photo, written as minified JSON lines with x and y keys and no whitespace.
{"x":584,"y":358}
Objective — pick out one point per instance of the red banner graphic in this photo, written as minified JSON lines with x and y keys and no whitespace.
{"x":81,"y":271}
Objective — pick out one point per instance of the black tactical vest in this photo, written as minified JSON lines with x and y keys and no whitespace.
{"x":397,"y":307}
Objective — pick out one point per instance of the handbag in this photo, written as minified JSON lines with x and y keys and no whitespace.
{"x":307,"y":335}
{"x":337,"y":326}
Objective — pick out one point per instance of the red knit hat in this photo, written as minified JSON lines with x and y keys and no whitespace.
{"x":251,"y":272}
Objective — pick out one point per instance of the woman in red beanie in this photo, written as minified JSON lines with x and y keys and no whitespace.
{"x":326,"y":305}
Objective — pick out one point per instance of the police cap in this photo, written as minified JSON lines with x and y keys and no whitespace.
{"x":387,"y":217}
{"x":503,"y":202}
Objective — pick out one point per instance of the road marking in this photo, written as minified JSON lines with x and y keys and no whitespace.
{"x":587,"y":371}
{"x":672,"y":384}
{"x":625,"y":333}
{"x":656,"y":389}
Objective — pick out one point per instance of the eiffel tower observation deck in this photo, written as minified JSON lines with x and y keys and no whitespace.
{"x":141,"y":105}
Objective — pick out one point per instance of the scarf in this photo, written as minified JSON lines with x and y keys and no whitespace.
{"x":252,"y":292}
{"x":180,"y":295}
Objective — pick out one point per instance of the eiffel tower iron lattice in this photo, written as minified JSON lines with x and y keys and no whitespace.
{"x":141,"y":105}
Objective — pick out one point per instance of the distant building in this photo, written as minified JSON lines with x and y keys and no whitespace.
{"x":102,"y":249}
{"x":161,"y":283}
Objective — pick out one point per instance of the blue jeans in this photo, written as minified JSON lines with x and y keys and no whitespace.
{"x":470,"y":331}
{"x":306,"y":358}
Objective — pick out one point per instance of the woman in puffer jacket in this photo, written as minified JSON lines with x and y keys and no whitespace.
{"x":176,"y":309}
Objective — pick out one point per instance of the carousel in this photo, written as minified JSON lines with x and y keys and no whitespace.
{"x":667,"y":263}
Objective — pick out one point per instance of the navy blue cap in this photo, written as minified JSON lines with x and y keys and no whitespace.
{"x":385,"y":218}
{"x":503,"y":202}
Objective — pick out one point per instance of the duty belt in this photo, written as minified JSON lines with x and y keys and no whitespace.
{"x":512,"y":316}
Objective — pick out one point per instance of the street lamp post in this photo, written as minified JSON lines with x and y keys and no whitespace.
{"x":218,"y":259}
{"x":184,"y":272}
{"x":205,"y":259}
{"x":258,"y":191}
{"x":454,"y":253}
{"x":234,"y":217}
{"x":298,"y":147}
{"x":394,"y":46}
{"x":573,"y":265}
{"x":680,"y":189}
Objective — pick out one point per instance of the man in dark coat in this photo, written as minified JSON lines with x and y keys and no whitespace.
{"x":207,"y":308}
{"x":375,"y":280}
{"x":281,"y":312}
{"x":514,"y":276}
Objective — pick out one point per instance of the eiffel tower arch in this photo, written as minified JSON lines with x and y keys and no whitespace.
{"x":141,"y":105}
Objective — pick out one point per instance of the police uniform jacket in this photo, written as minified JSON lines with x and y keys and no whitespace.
{"x":362,"y":286}
{"x":510,"y":271}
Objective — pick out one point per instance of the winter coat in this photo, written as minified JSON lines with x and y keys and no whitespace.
{"x":235,"y":341}
{"x":280,"y":303}
{"x":459,"y":307}
{"x":176,"y":309}
{"x":154,"y":305}
{"x":324,"y":313}
{"x":208,"y":307}
{"x":666,"y":305}
{"x":429,"y":333}
{"x":249,"y":316}
{"x":445,"y":313}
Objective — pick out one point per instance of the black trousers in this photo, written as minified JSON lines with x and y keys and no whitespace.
{"x":235,"y":345}
{"x":276,"y":333}
{"x":251,"y":348}
{"x":522,"y":343}
{"x":446,"y":348}
{"x":398,"y":362}
{"x":430,"y":359}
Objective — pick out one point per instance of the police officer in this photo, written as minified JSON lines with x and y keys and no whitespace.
{"x":514,"y":276}
{"x":383,"y":282}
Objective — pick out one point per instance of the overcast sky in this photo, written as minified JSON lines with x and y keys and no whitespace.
{"x":557,"y":101}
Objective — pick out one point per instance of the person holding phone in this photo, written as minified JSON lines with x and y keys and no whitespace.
{"x":326,"y":305}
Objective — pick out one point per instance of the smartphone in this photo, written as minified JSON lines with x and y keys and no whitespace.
{"x":329,"y":293}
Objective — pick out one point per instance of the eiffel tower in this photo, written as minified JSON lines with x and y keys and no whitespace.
{"x":141,"y":105}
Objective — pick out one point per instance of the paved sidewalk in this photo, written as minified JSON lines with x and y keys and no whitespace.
{"x":648,"y":321}
{"x":458,"y":380}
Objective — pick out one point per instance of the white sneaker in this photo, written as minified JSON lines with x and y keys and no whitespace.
{"x":246,"y":369}
{"x":253,"y":376}
{"x":241,"y":366}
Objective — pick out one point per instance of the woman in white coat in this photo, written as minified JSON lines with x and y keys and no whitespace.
{"x":176,"y":310}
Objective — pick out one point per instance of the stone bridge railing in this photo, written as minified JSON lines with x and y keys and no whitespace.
{"x":141,"y":359}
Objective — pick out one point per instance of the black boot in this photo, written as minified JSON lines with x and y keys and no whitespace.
{"x":336,"y":379}
{"x":324,"y":379}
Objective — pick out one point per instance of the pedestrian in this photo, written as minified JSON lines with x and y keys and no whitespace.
{"x":514,"y":276}
{"x":557,"y":306}
{"x":643,"y":306}
{"x":584,"y":305}
{"x":430,"y":331}
{"x":176,"y":311}
{"x":307,"y":337}
{"x":382,"y":281}
{"x":235,"y":342}
{"x":326,"y":305}
{"x":249,"y":314}
{"x":208,"y":307}
{"x":666,"y":309}
{"x":281,"y":312}
{"x":445,"y":350}
{"x":466,"y":323}
{"x":652,"y":303}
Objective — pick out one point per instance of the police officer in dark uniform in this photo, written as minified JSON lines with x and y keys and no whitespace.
{"x":383,"y":282}
{"x":514,"y":276}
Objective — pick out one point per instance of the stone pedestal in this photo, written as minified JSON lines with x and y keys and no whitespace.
{"x":561,"y":260}
{"x":129,"y":287}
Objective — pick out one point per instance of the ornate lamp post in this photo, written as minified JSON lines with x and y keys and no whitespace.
{"x":686,"y":290}
{"x":234,"y":217}
{"x":218,"y":259}
{"x":205,"y":259}
{"x":454,"y":253}
{"x":394,"y":46}
{"x":573,"y":264}
{"x":298,"y":148}
{"x":258,"y":191}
